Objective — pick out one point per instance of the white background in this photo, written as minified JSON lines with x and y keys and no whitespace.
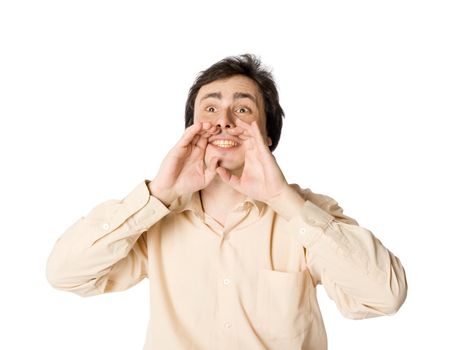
{"x":92,"y":97}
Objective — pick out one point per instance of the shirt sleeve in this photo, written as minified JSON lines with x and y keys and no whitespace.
{"x":358,"y":272}
{"x":106,"y":250}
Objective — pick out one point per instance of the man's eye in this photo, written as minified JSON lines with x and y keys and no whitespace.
{"x":210,"y":109}
{"x":242,"y":110}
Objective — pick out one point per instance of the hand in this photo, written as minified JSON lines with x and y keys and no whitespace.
{"x":261,"y":178}
{"x":183,"y":170}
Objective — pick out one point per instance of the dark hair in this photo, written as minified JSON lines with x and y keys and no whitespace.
{"x":251,"y":67}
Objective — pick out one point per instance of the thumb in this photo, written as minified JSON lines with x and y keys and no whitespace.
{"x":210,"y":172}
{"x":228,"y":178}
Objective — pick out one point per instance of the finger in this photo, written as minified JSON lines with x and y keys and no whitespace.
{"x":256,"y":130}
{"x":258,"y":134}
{"x":189,"y":134}
{"x":210,"y":172}
{"x":247,"y":140}
{"x":247,"y":129}
{"x":224,"y":174}
{"x":243,"y":130}
{"x":206,"y":125}
{"x":211,"y":131}
{"x":244,"y":125}
{"x":213,"y":164}
{"x":227,"y":177}
{"x":194,"y":132}
{"x":252,"y":132}
{"x":244,"y":136}
{"x":195,"y":139}
{"x":202,"y":142}
{"x":251,"y":129}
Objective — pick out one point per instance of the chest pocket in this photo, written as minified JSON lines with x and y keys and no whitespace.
{"x":283,"y":303}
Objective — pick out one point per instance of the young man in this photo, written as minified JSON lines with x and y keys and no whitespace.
{"x":233,"y":253}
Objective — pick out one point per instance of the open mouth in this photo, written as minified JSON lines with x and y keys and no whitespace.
{"x":225,"y":143}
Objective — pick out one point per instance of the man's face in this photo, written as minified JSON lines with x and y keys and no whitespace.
{"x":221,"y":103}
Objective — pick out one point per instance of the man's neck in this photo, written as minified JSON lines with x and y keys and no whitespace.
{"x":218,"y":199}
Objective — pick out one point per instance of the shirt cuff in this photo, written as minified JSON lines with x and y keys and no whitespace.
{"x":152,"y":211}
{"x":138,"y":204}
{"x":311,"y":223}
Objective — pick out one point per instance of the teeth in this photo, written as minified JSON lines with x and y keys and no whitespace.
{"x":225,"y":143}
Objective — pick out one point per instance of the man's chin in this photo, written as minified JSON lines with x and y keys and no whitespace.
{"x":231,"y":165}
{"x":236,"y":172}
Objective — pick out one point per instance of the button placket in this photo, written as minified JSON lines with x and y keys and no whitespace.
{"x":227,"y":294}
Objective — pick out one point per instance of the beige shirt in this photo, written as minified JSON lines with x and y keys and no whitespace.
{"x":248,"y":285}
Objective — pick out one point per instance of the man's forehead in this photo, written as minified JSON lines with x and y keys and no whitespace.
{"x":237,"y":86}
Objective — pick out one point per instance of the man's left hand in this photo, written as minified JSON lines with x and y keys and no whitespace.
{"x":262,"y":178}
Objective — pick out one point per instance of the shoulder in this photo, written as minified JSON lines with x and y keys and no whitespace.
{"x":324,"y":202}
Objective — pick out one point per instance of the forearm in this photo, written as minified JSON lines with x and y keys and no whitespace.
{"x":363,"y":277}
{"x":89,"y":249}
{"x":359,"y":273}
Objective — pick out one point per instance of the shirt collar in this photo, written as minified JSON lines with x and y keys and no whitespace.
{"x":192,"y":202}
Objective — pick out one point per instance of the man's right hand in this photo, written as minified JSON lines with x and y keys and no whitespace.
{"x":183,"y":169}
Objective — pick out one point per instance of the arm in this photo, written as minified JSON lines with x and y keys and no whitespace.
{"x":358,"y":272}
{"x":106,"y":251}
{"x":363,"y":277}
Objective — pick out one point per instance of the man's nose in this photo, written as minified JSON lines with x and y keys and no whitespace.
{"x":225,"y":120}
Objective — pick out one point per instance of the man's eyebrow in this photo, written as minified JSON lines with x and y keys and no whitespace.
{"x":212,"y":95}
{"x":239,"y":95}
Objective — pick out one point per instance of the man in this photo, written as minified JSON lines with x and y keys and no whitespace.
{"x":233,"y":253}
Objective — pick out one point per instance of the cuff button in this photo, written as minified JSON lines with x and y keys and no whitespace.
{"x":106,"y":226}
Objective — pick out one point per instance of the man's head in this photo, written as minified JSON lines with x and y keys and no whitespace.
{"x":250,"y":67}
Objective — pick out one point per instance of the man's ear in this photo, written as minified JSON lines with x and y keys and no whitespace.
{"x":269,"y":141}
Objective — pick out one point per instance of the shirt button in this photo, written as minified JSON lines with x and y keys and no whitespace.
{"x":227,"y":325}
{"x":106,"y":226}
{"x":302,"y":231}
{"x":226,"y":281}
